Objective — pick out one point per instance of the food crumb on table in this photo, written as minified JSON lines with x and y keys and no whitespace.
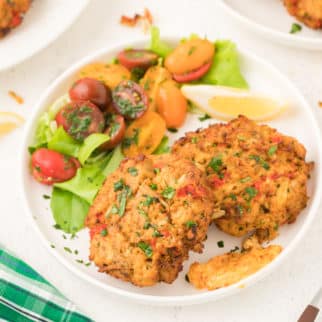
{"x":16,"y":97}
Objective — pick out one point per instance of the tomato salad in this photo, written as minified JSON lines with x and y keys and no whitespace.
{"x":121,"y":109}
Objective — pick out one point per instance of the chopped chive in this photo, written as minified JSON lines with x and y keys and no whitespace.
{"x":146,"y":248}
{"x":204,"y":117}
{"x":295,"y":28}
{"x":168,"y":192}
{"x":132,"y":171}
{"x":272,"y":150}
{"x":220,"y":244}
{"x":190,"y":224}
{"x":172,"y":130}
{"x":153,"y":186}
{"x":68,"y":250}
{"x":46,"y":196}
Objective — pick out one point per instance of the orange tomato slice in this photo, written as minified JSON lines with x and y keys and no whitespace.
{"x":144,"y":135}
{"x":110,"y":74}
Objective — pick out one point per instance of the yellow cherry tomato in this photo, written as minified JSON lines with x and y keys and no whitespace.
{"x":144,"y":135}
{"x":110,"y":74}
{"x":189,"y":56}
{"x":171,"y":104}
{"x":151,"y":81}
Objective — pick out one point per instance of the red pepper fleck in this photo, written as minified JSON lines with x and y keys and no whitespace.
{"x":153,"y":242}
{"x":159,"y":165}
{"x":190,"y":189}
{"x":217,"y":182}
{"x":276,"y":139}
{"x":165,"y":233}
{"x":275,"y":176}
{"x":16,"y":20}
{"x":96,"y":229}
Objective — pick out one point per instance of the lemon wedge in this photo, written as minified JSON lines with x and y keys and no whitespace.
{"x":227,"y":103}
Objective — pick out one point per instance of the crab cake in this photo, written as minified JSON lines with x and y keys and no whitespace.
{"x":146,"y":218}
{"x":11,"y":14}
{"x":258,"y":176}
{"x":306,"y":11}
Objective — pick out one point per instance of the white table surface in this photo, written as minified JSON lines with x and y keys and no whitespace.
{"x":280,"y":297}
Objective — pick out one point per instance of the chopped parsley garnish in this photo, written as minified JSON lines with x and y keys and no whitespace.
{"x":68,"y":250}
{"x":114,"y":209}
{"x":190,"y":224}
{"x":149,"y":200}
{"x":57,"y":226}
{"x":260,"y":161}
{"x":220,"y":244}
{"x":122,"y":198}
{"x":80,"y":261}
{"x":272,"y":150}
{"x":216,"y":164}
{"x":246,"y":179}
{"x":168,"y":192}
{"x":143,"y":213}
{"x":251,"y":192}
{"x":52,"y":246}
{"x":119,"y":185}
{"x":233,"y":196}
{"x":204,"y":117}
{"x":156,"y":233}
{"x":153,"y":186}
{"x":156,"y":170}
{"x":104,"y":232}
{"x":146,"y":225}
{"x":46,"y":196}
{"x":172,"y":130}
{"x":295,"y":28}
{"x":128,"y":141}
{"x":146,"y":248}
{"x":194,"y":140}
{"x":191,"y":50}
{"x":132,"y":171}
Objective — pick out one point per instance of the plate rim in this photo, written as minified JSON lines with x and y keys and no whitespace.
{"x":157,"y":299}
{"x":49,"y":41}
{"x":278,"y":36}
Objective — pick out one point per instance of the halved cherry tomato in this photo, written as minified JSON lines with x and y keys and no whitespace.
{"x":195,"y":74}
{"x":90,"y":89}
{"x":151,"y":81}
{"x":115,"y":130}
{"x":49,"y":166}
{"x":189,"y":57}
{"x":110,"y":74}
{"x":131,"y":58}
{"x":80,"y":119}
{"x":171,"y":104}
{"x":144,"y":135}
{"x":130,"y":100}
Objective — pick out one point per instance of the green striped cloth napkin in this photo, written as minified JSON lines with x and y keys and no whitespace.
{"x":26,"y":296}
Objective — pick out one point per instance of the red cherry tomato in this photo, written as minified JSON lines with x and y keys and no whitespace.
{"x":129,"y":99}
{"x":115,"y":130}
{"x":195,"y":74}
{"x":90,"y":89}
{"x":49,"y":166}
{"x":141,"y":58}
{"x":80,"y":119}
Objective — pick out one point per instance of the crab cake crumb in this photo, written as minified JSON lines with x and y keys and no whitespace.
{"x":224,"y":270}
{"x":147,"y":217}
{"x":258,"y":176}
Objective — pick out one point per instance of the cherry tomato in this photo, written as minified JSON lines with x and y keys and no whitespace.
{"x":110,"y":74}
{"x":49,"y":166}
{"x":144,"y":135}
{"x":193,"y":75}
{"x":151,"y":81}
{"x":115,"y":130}
{"x":80,"y":119}
{"x":192,"y":57}
{"x":142,"y":58}
{"x":130,"y":100}
{"x":171,"y":104}
{"x":90,"y":89}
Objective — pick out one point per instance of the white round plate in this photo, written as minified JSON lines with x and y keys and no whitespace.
{"x":271,"y":19}
{"x":43,"y":23}
{"x":298,"y":122}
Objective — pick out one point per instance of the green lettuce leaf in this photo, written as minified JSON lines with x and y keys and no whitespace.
{"x":69,"y":210}
{"x":157,"y":45}
{"x":163,"y":146}
{"x":225,"y":68}
{"x":64,"y":143}
{"x":90,"y":144}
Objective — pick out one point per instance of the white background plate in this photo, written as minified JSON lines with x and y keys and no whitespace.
{"x":270,"y":19}
{"x":43,"y":23}
{"x":298,"y":122}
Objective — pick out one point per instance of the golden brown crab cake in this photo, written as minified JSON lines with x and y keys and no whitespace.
{"x":147,"y":217}
{"x":306,"y":11}
{"x":227,"y":269}
{"x":259,"y":176}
